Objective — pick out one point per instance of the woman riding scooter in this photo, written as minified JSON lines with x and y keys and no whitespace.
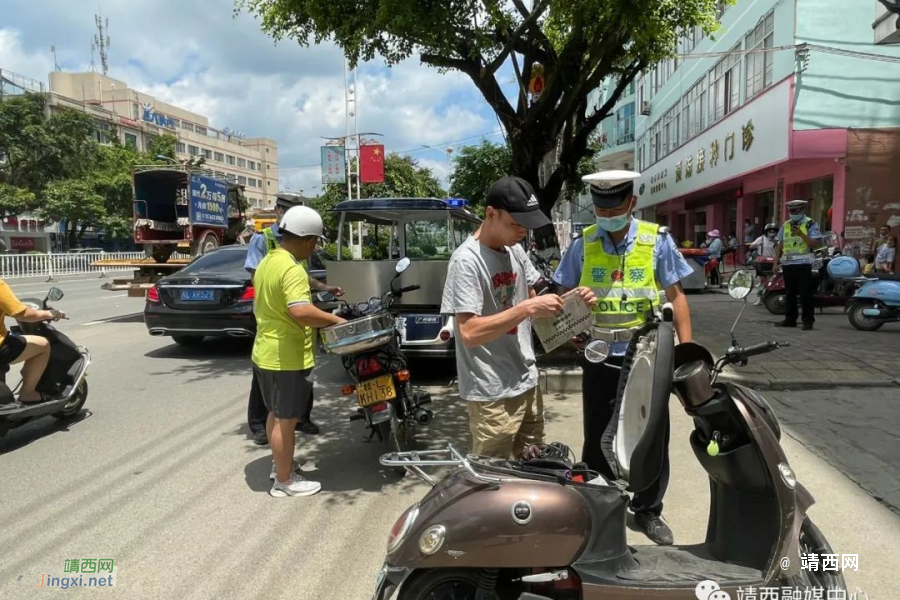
{"x":34,"y":351}
{"x":763,"y":249}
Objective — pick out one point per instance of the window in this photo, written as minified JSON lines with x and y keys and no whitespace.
{"x":625,"y":124}
{"x":220,"y":174}
{"x":685,"y":132}
{"x":193,"y":150}
{"x":242,"y":180}
{"x":242,"y":163}
{"x":220,"y":157}
{"x":724,"y":93}
{"x":179,"y":147}
{"x":135,"y":112}
{"x":697,"y":108}
{"x":229,"y":159}
{"x":758,"y":65}
{"x":201,"y":130}
{"x":428,"y":239}
{"x":251,"y":165}
{"x":173,"y":123}
{"x":207,"y":154}
{"x":187,"y":126}
{"x":103,"y":132}
{"x":131,"y":140}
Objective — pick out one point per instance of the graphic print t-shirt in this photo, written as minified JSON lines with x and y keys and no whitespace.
{"x":485,"y":282}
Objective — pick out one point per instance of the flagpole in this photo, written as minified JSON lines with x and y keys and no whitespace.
{"x":348,"y":168}
{"x":359,"y":224}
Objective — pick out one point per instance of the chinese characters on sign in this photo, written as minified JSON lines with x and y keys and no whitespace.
{"x":208,"y":201}
{"x":696,"y":164}
{"x":333,"y":165}
{"x":151,"y":116}
{"x":88,"y":565}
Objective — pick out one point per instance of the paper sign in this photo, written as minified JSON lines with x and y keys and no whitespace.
{"x":574,"y":318}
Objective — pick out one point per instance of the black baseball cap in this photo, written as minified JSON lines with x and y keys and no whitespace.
{"x":517,"y":197}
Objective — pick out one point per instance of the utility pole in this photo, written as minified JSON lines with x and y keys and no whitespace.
{"x":351,"y":149}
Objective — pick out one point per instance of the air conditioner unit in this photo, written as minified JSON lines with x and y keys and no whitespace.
{"x":645,"y":108}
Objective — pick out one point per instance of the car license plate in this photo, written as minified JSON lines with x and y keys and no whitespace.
{"x":197,"y":295}
{"x":376,"y":390}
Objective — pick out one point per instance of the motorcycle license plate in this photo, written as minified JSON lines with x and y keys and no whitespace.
{"x":376,"y":390}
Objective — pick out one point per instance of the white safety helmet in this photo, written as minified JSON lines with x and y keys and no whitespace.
{"x":303,"y":221}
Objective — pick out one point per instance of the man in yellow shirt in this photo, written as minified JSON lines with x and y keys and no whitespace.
{"x":33,"y":350}
{"x":284,"y":350}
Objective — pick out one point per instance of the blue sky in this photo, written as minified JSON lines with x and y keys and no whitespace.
{"x":197,"y":55}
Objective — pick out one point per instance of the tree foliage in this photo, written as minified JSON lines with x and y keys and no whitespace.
{"x":52,"y":165}
{"x":476,"y":168}
{"x":578,"y":43}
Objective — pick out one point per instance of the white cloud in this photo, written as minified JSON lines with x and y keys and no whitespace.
{"x":198,"y":56}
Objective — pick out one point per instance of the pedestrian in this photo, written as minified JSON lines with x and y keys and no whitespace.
{"x":260,"y":245}
{"x":765,"y":247}
{"x":33,"y":350}
{"x":883,"y":233}
{"x":626,"y":263}
{"x":750,"y":234}
{"x":797,"y":240}
{"x":284,"y":348}
{"x":490,"y":290}
{"x":714,"y":250}
{"x":884,"y":260}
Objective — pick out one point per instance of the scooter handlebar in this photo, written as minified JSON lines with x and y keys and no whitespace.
{"x":762,"y":348}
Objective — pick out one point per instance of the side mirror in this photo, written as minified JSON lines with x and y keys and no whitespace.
{"x":325,"y":297}
{"x":741,"y":284}
{"x":55,"y":294}
{"x":596,"y":352}
{"x":402,"y":265}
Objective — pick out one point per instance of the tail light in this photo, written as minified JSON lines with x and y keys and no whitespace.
{"x":368,"y":366}
{"x":348,"y":389}
{"x":445,"y":335}
{"x":378,"y":407}
{"x":153,"y":295}
{"x":401,"y":528}
{"x":403,"y":376}
{"x":249,"y":294}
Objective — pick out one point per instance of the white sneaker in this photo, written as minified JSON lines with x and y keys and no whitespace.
{"x":758,"y":302}
{"x":297,"y":486}
{"x":297,"y":464}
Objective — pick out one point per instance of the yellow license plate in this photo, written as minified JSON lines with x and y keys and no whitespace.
{"x":376,"y":390}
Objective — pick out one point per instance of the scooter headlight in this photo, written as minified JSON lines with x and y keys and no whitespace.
{"x":401,"y":528}
{"x":787,"y":474}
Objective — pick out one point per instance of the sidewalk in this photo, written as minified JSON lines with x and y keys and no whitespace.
{"x":834,"y":354}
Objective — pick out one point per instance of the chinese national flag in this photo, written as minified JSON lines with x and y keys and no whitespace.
{"x":371,"y":163}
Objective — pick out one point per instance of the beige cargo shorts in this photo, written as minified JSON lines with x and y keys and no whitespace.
{"x":503,"y":428}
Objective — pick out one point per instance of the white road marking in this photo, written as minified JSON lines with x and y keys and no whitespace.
{"x":116,"y":296}
{"x":112,"y":319}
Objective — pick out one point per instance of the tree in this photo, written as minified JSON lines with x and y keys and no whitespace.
{"x":476,"y":168}
{"x":578,"y":45}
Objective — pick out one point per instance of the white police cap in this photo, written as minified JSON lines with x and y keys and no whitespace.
{"x":611,"y":188}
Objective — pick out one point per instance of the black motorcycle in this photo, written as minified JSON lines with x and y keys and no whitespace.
{"x":64,"y":380}
{"x":369,"y":346}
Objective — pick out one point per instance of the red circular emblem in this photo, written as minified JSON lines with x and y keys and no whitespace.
{"x":617,"y":275}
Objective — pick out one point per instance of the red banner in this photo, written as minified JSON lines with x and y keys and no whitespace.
{"x":21,"y":243}
{"x":371,"y":163}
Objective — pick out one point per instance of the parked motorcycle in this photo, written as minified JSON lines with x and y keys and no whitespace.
{"x":64,"y":380}
{"x":505,"y":530}
{"x":875,"y":303}
{"x":369,"y":346}
{"x":836,"y":279}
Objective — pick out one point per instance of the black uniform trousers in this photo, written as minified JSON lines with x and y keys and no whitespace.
{"x":257,"y":413}
{"x":599,"y":385}
{"x":798,"y":281}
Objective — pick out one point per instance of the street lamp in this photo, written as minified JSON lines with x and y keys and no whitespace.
{"x":449,"y":151}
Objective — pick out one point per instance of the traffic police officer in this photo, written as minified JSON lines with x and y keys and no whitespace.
{"x":797,"y":241}
{"x":260,"y":245}
{"x":625,"y":262}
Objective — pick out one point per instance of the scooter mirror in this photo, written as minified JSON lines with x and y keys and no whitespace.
{"x":325,"y":297}
{"x":402,"y":265}
{"x":741,"y":284}
{"x":596,"y":352}
{"x":55,"y":294}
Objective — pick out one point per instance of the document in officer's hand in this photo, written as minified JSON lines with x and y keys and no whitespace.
{"x":574,"y":318}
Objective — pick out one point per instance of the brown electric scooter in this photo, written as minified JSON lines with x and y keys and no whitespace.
{"x":495,"y":530}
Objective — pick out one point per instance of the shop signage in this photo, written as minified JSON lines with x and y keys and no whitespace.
{"x":151,"y":116}
{"x":21,"y":243}
{"x":725,"y":151}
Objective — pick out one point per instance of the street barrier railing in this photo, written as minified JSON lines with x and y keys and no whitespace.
{"x":50,"y":266}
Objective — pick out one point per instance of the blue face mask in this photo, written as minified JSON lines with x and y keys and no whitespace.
{"x":797,"y":218}
{"x":612,"y":224}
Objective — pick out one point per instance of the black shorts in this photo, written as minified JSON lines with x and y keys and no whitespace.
{"x":11,"y":348}
{"x":285,"y":393}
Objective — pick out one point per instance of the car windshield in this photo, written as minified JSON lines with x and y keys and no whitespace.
{"x":222,"y":261}
{"x":428,"y":239}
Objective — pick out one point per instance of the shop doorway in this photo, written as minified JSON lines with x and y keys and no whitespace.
{"x":764,"y":209}
{"x":820,"y":193}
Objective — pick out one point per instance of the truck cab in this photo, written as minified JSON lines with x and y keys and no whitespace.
{"x":425,"y":230}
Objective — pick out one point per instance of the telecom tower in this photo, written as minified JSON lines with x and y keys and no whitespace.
{"x":101,"y":41}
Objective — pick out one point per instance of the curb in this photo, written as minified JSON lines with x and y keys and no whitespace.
{"x":568,"y":381}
